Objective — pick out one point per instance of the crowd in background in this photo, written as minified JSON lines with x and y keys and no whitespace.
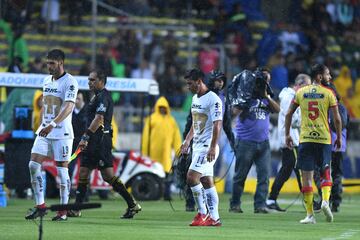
{"x":290,"y":39}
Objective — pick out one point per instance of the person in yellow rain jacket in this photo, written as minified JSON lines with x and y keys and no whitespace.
{"x":161,"y":136}
{"x":37,"y":105}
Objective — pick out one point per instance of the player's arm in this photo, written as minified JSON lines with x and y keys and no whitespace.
{"x":186,"y":143}
{"x":64,"y":113}
{"x":215,"y":137}
{"x":338,"y":127}
{"x":288,"y":120}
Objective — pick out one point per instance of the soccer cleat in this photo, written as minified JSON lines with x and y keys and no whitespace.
{"x":235,"y":209}
{"x":35,"y":213}
{"x":335,"y":208}
{"x":73,"y":213}
{"x":199,"y":220}
{"x":263,"y":210}
{"x":60,"y":216}
{"x":212,"y":223}
{"x":130,"y":212}
{"x":310,"y":219}
{"x":275,"y":207}
{"x":327,"y":211}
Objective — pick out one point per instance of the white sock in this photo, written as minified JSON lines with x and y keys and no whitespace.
{"x":269,"y":201}
{"x":212,"y":202}
{"x":37,"y":182}
{"x":199,"y":197}
{"x":63,"y":173}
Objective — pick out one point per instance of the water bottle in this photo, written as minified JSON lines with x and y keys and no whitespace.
{"x":3,"y":200}
{"x":1,"y":173}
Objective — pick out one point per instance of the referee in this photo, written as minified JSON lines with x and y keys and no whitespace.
{"x":96,"y":144}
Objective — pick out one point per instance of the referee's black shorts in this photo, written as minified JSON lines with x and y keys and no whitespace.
{"x":98,"y":152}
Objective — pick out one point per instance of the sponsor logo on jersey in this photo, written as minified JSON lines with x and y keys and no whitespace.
{"x":51,"y":90}
{"x":196,"y":106}
{"x":315,"y":136}
{"x":313,"y":95}
{"x":101,"y":108}
{"x":72,"y":88}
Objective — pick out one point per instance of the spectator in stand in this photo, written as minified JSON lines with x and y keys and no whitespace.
{"x":36,"y":66}
{"x":16,"y":65}
{"x":143,"y":71}
{"x":103,"y":60}
{"x":208,"y":59}
{"x":51,"y":11}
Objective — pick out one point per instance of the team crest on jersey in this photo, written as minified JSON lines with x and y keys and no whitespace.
{"x":101,"y":108}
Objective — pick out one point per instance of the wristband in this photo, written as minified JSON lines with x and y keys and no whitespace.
{"x":85,"y":138}
{"x":53,"y":124}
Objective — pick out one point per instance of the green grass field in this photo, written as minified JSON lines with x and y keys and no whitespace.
{"x":158,"y":221}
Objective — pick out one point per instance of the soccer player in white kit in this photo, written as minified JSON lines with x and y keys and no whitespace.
{"x":206,"y":110}
{"x":55,"y":134}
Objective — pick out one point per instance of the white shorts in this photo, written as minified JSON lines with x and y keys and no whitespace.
{"x":59,"y":149}
{"x":200,"y":164}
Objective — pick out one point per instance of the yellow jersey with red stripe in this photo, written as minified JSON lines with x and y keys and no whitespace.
{"x":315,"y":102}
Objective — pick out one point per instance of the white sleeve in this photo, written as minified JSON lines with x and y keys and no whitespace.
{"x":71,"y":89}
{"x":216,"y":109}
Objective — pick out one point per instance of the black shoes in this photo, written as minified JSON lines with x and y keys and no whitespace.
{"x":263,"y":210}
{"x":130,"y":212}
{"x":73,"y":213}
{"x":235,"y":209}
{"x":275,"y":207}
{"x":35,"y":213}
{"x":334,"y":208}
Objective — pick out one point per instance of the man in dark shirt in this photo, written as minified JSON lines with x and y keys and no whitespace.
{"x":96,"y":145}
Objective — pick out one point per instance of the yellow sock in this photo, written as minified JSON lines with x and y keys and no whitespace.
{"x":326,"y":190}
{"x":308,"y":200}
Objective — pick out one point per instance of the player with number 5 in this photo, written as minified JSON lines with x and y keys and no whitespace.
{"x":315,"y":100}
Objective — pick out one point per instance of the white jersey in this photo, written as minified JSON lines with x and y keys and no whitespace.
{"x":205,"y":110}
{"x":55,"y":93}
{"x":286,"y":96}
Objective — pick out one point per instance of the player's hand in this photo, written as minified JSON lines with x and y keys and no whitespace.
{"x":338,"y":143}
{"x":45,"y":131}
{"x":83,"y":144}
{"x":185,"y":147}
{"x":289,"y":142}
{"x":211,"y":154}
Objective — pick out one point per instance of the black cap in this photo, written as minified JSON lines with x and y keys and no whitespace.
{"x":194,"y":74}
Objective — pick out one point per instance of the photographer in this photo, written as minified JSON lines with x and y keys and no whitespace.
{"x":252,"y":135}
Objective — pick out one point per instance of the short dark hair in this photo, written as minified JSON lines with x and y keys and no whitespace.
{"x":56,"y":54}
{"x":194,"y":74}
{"x":101,"y":75}
{"x":317,"y":69}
